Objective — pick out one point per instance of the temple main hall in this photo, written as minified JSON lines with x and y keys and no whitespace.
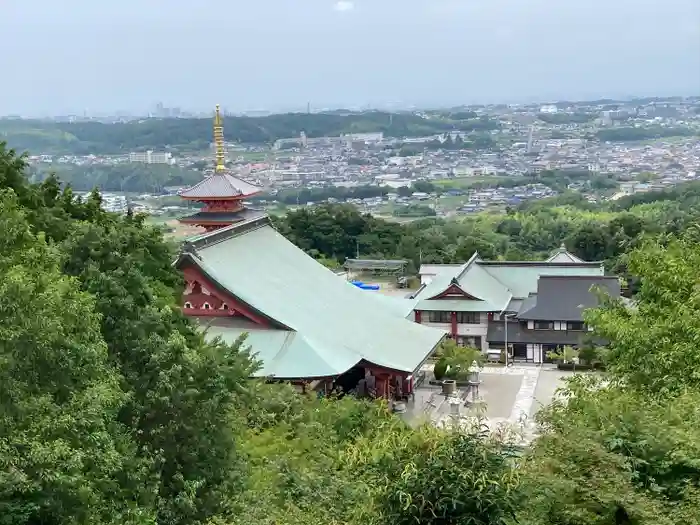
{"x":304,"y":323}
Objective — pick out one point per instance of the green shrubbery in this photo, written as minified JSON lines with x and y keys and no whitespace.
{"x":454,"y":361}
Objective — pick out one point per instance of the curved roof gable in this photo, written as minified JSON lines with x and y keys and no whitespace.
{"x":473,"y":281}
{"x":562,"y":255}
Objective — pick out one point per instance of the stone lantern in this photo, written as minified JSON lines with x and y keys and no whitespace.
{"x":474,"y":372}
{"x":455,"y":406}
{"x":474,"y":381}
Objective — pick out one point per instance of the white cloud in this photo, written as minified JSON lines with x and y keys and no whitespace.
{"x":344,"y":5}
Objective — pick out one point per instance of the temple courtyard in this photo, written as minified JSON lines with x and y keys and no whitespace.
{"x":507,"y":398}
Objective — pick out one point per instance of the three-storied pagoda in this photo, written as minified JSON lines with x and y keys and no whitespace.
{"x":221,"y":193}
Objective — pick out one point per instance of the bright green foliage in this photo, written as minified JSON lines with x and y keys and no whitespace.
{"x":654,"y":345}
{"x":434,"y":476}
{"x":440,"y":369}
{"x":628,"y":447}
{"x":566,"y":354}
{"x":349,"y":462}
{"x":295,"y":446}
{"x":183,"y":393}
{"x":608,"y":450}
{"x":175,"y":400}
{"x":455,"y":360}
{"x":63,"y":456}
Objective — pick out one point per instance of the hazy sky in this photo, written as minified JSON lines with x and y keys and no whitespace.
{"x":75,"y":55}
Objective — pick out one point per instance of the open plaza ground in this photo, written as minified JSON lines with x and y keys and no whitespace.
{"x":507,"y":396}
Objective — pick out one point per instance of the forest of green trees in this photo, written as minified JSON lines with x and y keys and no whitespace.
{"x":115,"y":411}
{"x":631,"y":134}
{"x":125,"y":177}
{"x":83,"y":138}
{"x":594,"y":232}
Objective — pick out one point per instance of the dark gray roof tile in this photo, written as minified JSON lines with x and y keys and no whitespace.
{"x":566,"y":298}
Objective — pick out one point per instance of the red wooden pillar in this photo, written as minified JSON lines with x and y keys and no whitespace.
{"x":379,"y":384}
{"x":383,"y":383}
{"x":418,"y":316}
{"x":454,"y":325}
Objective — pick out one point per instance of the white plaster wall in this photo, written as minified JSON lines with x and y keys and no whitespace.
{"x":446,"y":327}
{"x":472,"y":329}
{"x":479,"y":330}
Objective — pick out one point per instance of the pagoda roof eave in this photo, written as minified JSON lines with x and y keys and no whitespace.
{"x":220,"y":186}
{"x":222,"y":217}
{"x":208,"y":223}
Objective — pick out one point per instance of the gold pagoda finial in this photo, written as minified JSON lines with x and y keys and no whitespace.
{"x":219,"y":141}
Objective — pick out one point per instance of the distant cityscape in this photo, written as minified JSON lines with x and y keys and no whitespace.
{"x":163,"y":111}
{"x":530,"y":142}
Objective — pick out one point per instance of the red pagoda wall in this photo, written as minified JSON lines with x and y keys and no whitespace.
{"x":202,"y":298}
{"x":222,"y":205}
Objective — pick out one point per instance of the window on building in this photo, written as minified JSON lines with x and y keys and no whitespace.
{"x":576,"y":326}
{"x":470,"y":341}
{"x":544,"y":325}
{"x":468,"y":317}
{"x":440,"y":317}
{"x":207,"y":306}
{"x":188,"y":305}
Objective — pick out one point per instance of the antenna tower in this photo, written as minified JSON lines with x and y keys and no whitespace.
{"x":219,"y":141}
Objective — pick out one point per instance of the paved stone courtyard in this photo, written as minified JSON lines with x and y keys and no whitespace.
{"x":507,"y":398}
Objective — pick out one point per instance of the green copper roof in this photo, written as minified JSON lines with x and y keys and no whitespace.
{"x":492,"y":295}
{"x":522,"y":278}
{"x":402,"y":306}
{"x":497,"y":283}
{"x":456,"y":305}
{"x":337,"y":325}
{"x":282,"y":353}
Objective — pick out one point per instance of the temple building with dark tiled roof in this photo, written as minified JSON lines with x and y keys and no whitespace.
{"x":530,"y":307}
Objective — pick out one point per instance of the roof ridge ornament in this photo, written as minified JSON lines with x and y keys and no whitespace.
{"x":220,"y":166}
{"x":190,"y":248}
